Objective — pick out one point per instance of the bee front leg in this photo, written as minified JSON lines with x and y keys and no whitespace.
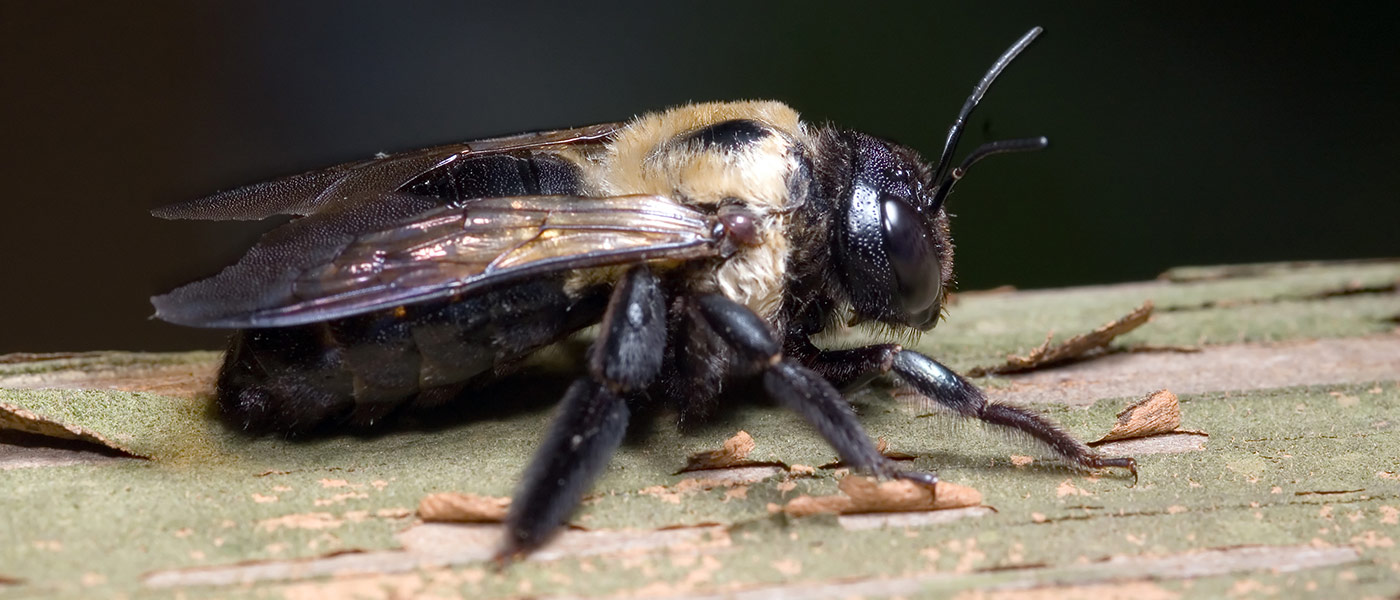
{"x":593,"y":416}
{"x":848,"y":368}
{"x":942,"y":385}
{"x":799,"y":388}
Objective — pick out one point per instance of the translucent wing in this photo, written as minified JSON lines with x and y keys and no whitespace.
{"x":346,"y":185}
{"x":312,"y":270}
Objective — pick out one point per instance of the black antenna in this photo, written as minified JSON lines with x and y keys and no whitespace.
{"x":944,"y":173}
{"x":988,"y":149}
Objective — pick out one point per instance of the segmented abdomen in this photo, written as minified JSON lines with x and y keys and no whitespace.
{"x":360,"y":369}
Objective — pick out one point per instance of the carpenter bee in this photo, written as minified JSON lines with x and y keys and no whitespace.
{"x":709,"y":242}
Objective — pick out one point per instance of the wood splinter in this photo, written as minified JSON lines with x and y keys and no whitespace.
{"x":1157,"y":414}
{"x":866,"y":495}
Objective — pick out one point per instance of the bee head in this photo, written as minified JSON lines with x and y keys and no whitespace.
{"x":890,"y":232}
{"x":891,"y":242}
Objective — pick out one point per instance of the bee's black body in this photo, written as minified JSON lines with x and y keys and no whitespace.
{"x":709,"y":242}
{"x":360,"y":369}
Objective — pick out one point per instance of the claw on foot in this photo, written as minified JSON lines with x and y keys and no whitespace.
{"x":1122,"y":463}
{"x":928,"y":480}
{"x":510,"y":553}
{"x":503,"y":559}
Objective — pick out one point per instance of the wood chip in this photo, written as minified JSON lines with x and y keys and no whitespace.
{"x":462,"y":508}
{"x":26,"y":422}
{"x":1077,"y":347}
{"x":867,"y":495}
{"x":1157,"y":414}
{"x":735,"y":450}
{"x":733,"y":455}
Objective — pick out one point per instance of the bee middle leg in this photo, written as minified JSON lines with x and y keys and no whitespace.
{"x":799,"y":388}
{"x":592,"y":418}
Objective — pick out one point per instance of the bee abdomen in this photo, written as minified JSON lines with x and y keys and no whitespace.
{"x":360,"y":369}
{"x":498,"y":176}
{"x":488,"y":332}
{"x":288,"y":379}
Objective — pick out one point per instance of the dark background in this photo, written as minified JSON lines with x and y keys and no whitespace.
{"x":1180,"y":134}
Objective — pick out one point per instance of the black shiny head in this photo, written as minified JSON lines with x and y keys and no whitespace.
{"x":890,"y":234}
{"x":890,"y":243}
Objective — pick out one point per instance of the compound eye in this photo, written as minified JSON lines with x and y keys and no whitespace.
{"x":910,"y":251}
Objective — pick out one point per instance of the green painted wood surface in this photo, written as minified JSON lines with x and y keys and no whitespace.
{"x":1286,"y":469}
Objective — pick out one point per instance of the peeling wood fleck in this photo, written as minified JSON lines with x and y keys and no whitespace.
{"x":1076,"y":348}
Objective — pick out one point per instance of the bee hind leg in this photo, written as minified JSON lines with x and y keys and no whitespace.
{"x":799,"y":388}
{"x":592,"y":418}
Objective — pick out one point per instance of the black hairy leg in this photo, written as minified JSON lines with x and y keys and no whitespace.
{"x":845,"y":369}
{"x":592,"y":418}
{"x":698,"y":366}
{"x":589,"y":426}
{"x":799,"y":388}
{"x":942,"y":385}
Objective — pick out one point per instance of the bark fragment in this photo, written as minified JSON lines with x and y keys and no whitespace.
{"x":1077,"y":347}
{"x":463,"y":508}
{"x":1157,"y":414}
{"x":866,"y":495}
{"x":23,"y":423}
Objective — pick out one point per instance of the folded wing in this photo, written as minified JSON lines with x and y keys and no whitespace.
{"x":331,"y":266}
{"x":345,"y":186}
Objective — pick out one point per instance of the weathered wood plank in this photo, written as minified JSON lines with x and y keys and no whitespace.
{"x":1297,"y":487}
